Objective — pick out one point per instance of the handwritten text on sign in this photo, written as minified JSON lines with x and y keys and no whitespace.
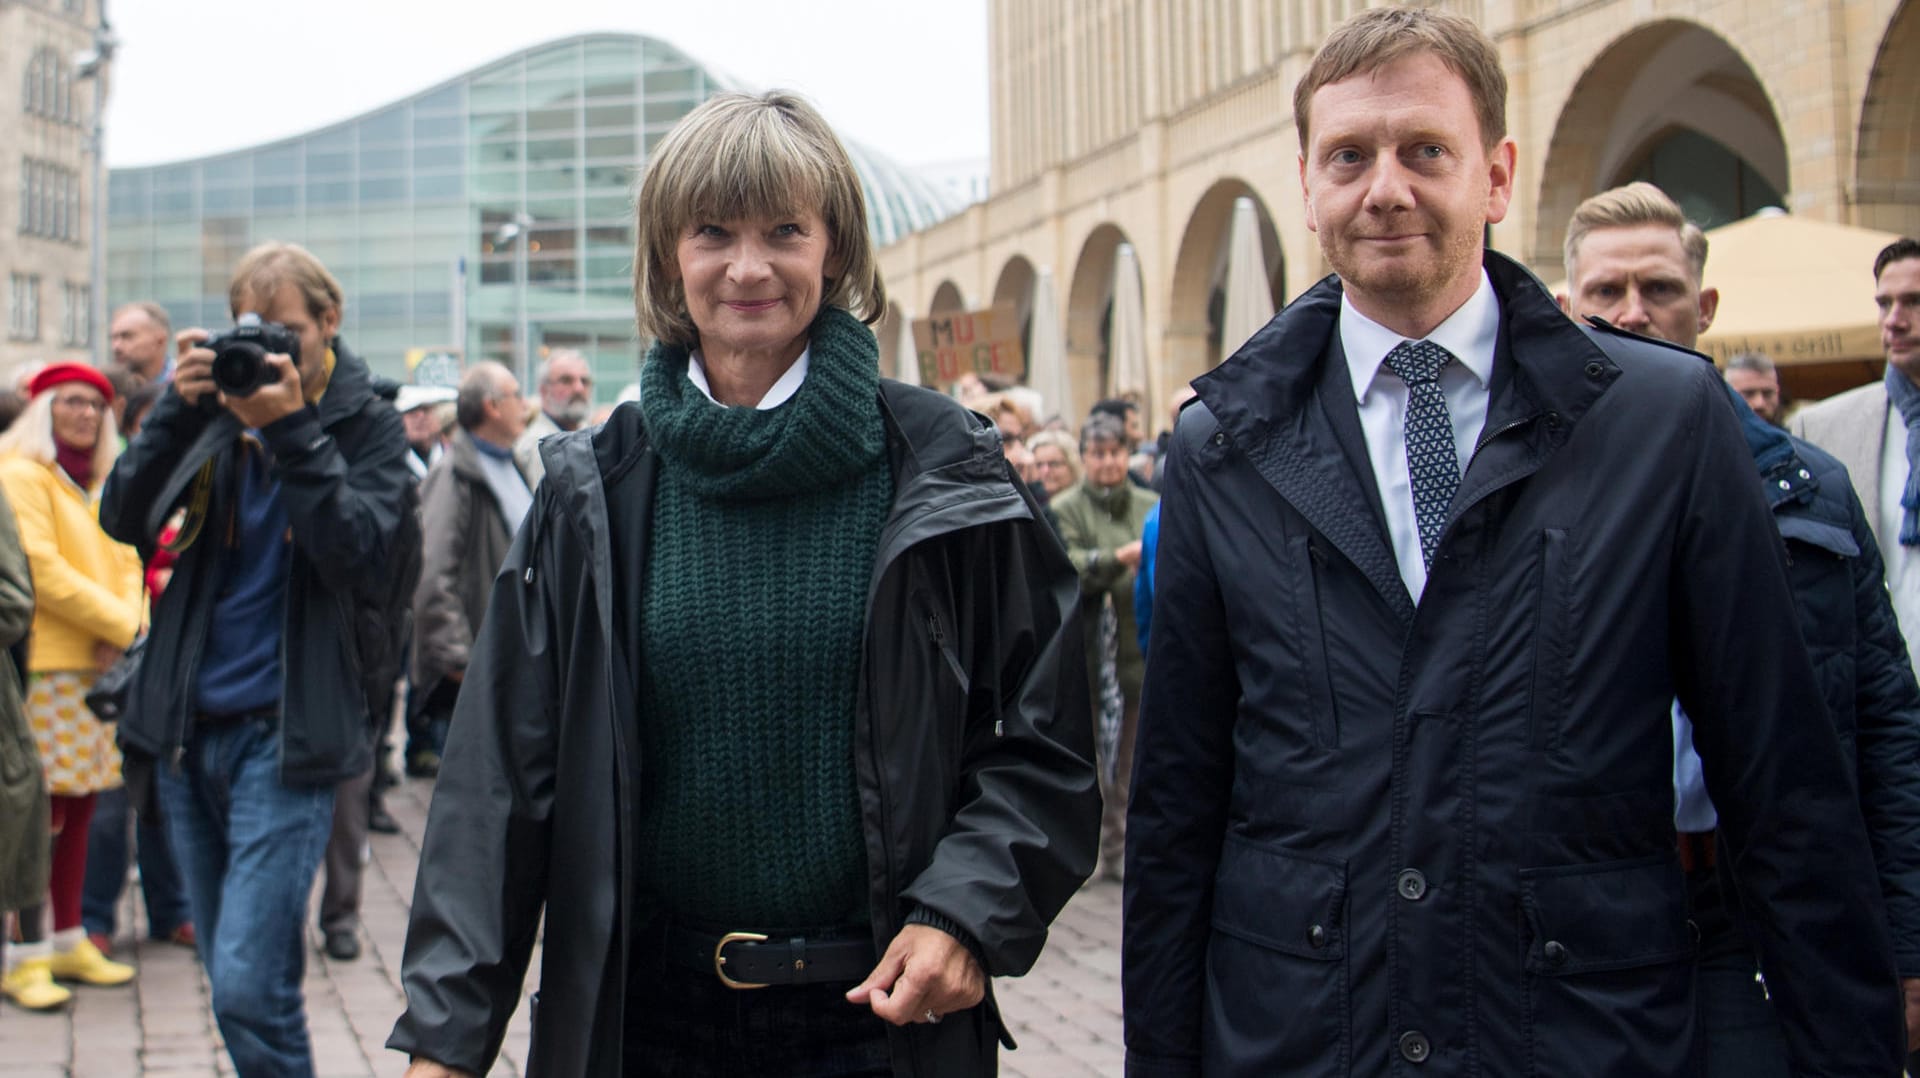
{"x":950,"y":345}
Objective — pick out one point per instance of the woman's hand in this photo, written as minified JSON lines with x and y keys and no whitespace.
{"x":924,"y":976}
{"x":427,"y":1068}
{"x":1128,"y":555}
{"x":105,"y":655}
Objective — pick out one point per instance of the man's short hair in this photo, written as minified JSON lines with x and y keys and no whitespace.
{"x":1638,"y":203}
{"x":1377,"y":37}
{"x":479,"y":387}
{"x":1117,"y":407}
{"x":265,"y":269}
{"x":740,"y":156}
{"x":545,"y":370}
{"x":123,"y":381}
{"x":154,"y":312}
{"x":1101,"y":428}
{"x":1898,"y":251}
{"x":1752,"y":362}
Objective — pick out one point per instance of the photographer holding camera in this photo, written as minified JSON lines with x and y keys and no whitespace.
{"x":249,"y":707}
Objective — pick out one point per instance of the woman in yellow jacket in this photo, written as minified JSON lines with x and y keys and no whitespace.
{"x":88,"y":610}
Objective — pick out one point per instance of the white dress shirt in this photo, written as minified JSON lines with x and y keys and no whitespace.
{"x":1693,"y":809}
{"x":781,"y":392}
{"x":1902,"y":562}
{"x":1471,"y":334}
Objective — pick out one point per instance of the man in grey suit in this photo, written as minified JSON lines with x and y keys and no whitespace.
{"x":1871,"y":429}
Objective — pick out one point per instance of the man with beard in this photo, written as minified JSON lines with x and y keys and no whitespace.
{"x":139,"y":333}
{"x":566,"y":402}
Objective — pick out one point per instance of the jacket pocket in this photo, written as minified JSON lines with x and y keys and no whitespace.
{"x":1279,"y":933}
{"x":1316,"y":678}
{"x":1550,"y":658}
{"x":19,"y":754}
{"x":1609,"y":964}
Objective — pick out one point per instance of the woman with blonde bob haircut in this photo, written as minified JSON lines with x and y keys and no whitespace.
{"x":781,"y":687}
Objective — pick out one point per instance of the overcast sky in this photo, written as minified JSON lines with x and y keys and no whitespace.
{"x":906,"y":77}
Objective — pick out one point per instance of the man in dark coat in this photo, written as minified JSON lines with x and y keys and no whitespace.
{"x":470,"y":505}
{"x":1634,"y":259}
{"x":1434,"y":563}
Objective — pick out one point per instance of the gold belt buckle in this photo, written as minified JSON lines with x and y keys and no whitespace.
{"x":720,"y":960}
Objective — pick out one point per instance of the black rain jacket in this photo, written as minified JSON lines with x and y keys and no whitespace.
{"x":342,"y":469}
{"x":1370,"y":837}
{"x":973,"y":746}
{"x":1859,"y":656}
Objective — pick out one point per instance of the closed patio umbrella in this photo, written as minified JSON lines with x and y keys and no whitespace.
{"x":1249,"y":299}
{"x":1127,"y":343}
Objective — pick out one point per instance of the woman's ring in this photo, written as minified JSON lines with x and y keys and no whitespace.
{"x":932,"y":1017}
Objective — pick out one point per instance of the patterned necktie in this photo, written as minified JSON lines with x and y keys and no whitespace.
{"x":1432,"y":464}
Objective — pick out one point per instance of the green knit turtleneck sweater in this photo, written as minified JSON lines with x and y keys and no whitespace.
{"x":765,"y":528}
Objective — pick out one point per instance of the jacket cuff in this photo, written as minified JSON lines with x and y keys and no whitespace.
{"x":1139,"y":1066}
{"x":294,"y":436}
{"x":921,"y":915}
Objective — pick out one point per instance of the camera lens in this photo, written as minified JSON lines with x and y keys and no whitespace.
{"x":237,"y":368}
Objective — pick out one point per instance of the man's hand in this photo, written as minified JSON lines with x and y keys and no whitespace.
{"x":925,"y":971}
{"x":193,"y":370}
{"x":1910,"y":988}
{"x":1128,"y":555}
{"x":427,"y":1068}
{"x":275,"y":400}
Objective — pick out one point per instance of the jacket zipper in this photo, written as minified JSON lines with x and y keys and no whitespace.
{"x":891,"y":551}
{"x":1487,"y":437}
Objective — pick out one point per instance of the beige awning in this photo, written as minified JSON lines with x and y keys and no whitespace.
{"x":1799,"y":291}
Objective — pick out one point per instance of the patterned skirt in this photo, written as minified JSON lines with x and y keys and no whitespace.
{"x":76,"y":749}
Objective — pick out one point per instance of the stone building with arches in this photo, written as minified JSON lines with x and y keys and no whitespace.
{"x":1144,"y":121}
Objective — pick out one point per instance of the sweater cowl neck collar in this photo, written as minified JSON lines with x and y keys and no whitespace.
{"x":829,"y":432}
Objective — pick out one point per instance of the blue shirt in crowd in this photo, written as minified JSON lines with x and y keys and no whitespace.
{"x":240,"y":666}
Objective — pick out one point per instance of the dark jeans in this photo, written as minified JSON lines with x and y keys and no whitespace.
{"x":249,"y":847}
{"x":1738,"y":1028}
{"x":686,"y":1024}
{"x":427,"y":720}
{"x":114,"y":826}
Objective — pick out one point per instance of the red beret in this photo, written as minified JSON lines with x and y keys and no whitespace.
{"x":61,"y":373}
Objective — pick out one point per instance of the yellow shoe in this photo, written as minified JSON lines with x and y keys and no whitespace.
{"x":30,"y":984}
{"x":85,"y":963}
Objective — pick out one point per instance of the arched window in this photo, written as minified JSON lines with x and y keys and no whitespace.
{"x":47,"y":88}
{"x":49,"y":82}
{"x":30,"y":86}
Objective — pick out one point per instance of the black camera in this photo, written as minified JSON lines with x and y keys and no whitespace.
{"x":240,"y":354}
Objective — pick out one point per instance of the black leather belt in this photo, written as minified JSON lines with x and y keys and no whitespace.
{"x":751,"y":960}
{"x":208,"y":720}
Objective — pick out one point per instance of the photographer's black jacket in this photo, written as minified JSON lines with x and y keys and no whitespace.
{"x":342,"y":470}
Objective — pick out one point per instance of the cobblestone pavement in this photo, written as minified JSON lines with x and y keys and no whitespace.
{"x":1065,"y":1014}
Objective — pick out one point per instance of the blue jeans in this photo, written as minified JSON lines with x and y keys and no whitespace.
{"x":160,"y":881}
{"x":249,"y":848}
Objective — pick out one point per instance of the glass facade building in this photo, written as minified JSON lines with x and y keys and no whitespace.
{"x":420,"y":208}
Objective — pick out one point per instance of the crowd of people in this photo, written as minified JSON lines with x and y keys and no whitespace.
{"x":1498,"y":686}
